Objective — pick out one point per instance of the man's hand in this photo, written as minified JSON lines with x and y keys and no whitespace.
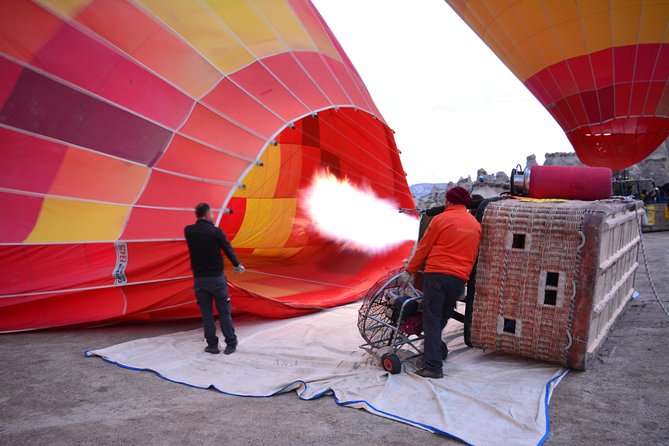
{"x":405,"y":278}
{"x":239,"y":268}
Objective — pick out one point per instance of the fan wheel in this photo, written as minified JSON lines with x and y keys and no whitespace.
{"x":375,"y":321}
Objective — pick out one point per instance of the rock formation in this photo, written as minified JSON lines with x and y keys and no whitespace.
{"x":654,"y":167}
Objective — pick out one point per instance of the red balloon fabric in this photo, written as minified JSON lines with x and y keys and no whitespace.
{"x":116,"y":118}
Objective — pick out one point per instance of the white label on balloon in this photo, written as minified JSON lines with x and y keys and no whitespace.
{"x":121,"y":263}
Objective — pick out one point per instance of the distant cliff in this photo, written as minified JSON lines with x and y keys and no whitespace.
{"x":427,"y":195}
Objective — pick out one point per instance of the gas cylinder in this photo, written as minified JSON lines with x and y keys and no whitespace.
{"x":566,"y":182}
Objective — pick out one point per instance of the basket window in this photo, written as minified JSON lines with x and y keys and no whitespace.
{"x":509,"y":326}
{"x":552,"y":279}
{"x":550,"y":297}
{"x":551,"y":290}
{"x":518,"y":241}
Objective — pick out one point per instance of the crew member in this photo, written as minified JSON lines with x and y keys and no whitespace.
{"x":449,"y":249}
{"x":205,"y":242}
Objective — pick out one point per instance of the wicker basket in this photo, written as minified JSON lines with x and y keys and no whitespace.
{"x":554,"y":276}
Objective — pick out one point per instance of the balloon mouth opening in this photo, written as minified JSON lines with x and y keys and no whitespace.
{"x":619,"y":143}
{"x":330,"y":191}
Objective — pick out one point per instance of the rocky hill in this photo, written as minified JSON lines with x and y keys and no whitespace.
{"x":427,"y":195}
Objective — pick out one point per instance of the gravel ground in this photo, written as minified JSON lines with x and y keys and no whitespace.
{"x":51,"y":394}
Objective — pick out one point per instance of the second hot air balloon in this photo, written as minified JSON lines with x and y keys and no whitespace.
{"x":601,"y":68}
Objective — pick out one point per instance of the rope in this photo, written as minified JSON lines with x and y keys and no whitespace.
{"x":297,"y":279}
{"x":645,"y":264}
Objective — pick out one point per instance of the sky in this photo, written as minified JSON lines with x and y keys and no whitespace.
{"x":454,"y":106}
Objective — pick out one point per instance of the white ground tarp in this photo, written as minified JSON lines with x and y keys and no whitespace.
{"x":484,"y":398}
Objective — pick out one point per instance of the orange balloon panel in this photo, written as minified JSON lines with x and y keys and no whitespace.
{"x":116,"y":118}
{"x":600,"y":67}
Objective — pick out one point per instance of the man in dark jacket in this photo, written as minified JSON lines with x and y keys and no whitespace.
{"x":205,"y":242}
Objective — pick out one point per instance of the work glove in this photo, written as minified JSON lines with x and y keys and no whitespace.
{"x":405,"y":278}
{"x":239,"y":268}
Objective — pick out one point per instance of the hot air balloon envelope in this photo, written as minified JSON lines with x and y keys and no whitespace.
{"x":601,"y":68}
{"x":117,"y":118}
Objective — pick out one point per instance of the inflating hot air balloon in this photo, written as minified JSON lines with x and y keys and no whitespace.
{"x":600,"y":67}
{"x":116,"y":118}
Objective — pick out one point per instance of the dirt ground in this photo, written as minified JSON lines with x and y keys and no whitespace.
{"x":51,"y":394}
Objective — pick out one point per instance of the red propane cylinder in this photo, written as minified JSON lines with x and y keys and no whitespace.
{"x":566,"y":182}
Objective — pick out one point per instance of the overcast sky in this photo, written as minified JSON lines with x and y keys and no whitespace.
{"x":455,"y":107}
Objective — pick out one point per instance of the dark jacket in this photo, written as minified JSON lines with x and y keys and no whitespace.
{"x":205,"y":242}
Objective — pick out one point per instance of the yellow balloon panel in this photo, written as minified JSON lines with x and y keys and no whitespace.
{"x":204,"y":31}
{"x":530,"y":35}
{"x":261,"y":182}
{"x":149,"y":42}
{"x":253,"y":30}
{"x":653,"y":25}
{"x":262,"y":214}
{"x":286,"y":24}
{"x":63,"y":220}
{"x":596,"y":29}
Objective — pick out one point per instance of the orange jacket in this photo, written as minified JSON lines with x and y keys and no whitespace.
{"x":450,"y":244}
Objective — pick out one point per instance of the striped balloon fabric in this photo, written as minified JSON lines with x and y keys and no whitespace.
{"x":117,"y":117}
{"x":600,"y":67}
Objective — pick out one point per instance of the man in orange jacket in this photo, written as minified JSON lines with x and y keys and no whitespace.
{"x":449,"y":249}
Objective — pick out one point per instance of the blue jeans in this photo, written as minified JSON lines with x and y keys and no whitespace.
{"x":440,"y":294}
{"x":215,"y":289}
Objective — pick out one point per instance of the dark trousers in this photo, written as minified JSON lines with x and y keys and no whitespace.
{"x":440,"y":294}
{"x":214,"y":289}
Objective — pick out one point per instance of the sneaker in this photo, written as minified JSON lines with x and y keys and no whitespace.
{"x":230,"y":348}
{"x":213,"y":349}
{"x":425,"y":373}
